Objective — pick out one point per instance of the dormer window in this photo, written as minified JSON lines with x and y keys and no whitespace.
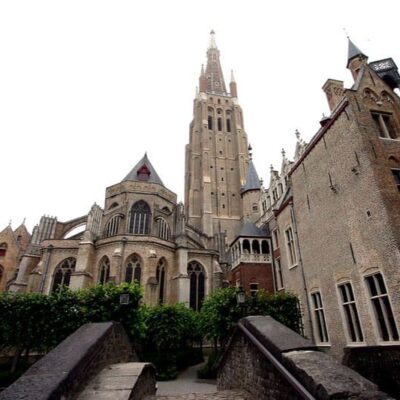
{"x":3,"y":249}
{"x":143,"y":173}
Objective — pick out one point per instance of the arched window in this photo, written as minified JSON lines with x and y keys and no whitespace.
{"x":163,"y":229}
{"x":264,"y":247}
{"x":112,"y":226}
{"x":196,"y":294}
{"x":3,"y":249}
{"x":219,"y":122}
{"x":256,"y":247}
{"x":62,"y":273}
{"x":140,"y":218}
{"x":1,"y":273}
{"x":210,"y":122}
{"x":104,"y":270}
{"x":246,"y":246}
{"x":133,"y":270}
{"x":161,"y":281}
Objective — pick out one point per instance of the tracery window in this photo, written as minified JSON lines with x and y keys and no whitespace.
{"x":104,"y":270}
{"x":113,"y":226}
{"x":62,"y":273}
{"x":133,"y":270}
{"x":197,"y":287}
{"x":140,"y":218}
{"x":161,"y":280}
{"x":163,"y":229}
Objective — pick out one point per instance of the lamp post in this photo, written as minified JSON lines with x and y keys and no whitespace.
{"x":124,"y":298}
{"x":241,"y":299}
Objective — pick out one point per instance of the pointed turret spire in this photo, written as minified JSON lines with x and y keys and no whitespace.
{"x":252,"y":179}
{"x":213,"y":44}
{"x":353,"y":52}
{"x":214,"y":77}
{"x":232,"y":85}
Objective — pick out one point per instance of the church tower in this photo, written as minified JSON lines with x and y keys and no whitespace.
{"x":217,"y":154}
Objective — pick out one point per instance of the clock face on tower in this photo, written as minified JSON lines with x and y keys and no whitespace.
{"x":382,"y":65}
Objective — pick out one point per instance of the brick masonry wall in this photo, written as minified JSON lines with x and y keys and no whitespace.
{"x":380,"y":364}
{"x":246,"y":368}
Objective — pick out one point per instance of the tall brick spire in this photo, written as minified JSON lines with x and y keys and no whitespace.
{"x":214,"y":76}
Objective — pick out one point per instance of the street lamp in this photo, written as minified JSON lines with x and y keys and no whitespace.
{"x":241,"y":297}
{"x":124,"y":298}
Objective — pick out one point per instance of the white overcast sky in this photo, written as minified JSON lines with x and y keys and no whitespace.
{"x":86,"y":87}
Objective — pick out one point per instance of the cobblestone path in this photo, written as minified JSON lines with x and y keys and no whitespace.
{"x":222,"y":395}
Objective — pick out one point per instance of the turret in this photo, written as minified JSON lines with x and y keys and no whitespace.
{"x":355,"y":59}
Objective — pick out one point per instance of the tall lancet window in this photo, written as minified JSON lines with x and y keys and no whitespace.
{"x":196,"y":275}
{"x":104,"y":270}
{"x":140,"y":218}
{"x":62,"y":273}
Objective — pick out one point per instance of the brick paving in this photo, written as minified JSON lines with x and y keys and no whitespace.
{"x":222,"y":395}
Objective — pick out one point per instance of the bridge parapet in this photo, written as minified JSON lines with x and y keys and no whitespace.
{"x":269,"y":360}
{"x":66,"y":370}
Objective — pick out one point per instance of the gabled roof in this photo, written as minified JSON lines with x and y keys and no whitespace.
{"x":252,"y":179}
{"x":353,"y":52}
{"x":144,"y":165}
{"x":250,"y":229}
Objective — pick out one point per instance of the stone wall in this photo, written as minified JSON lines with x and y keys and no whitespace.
{"x":66,"y":369}
{"x":292,"y":360}
{"x":380,"y":364}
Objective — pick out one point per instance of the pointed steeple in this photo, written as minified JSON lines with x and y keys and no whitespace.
{"x":214,"y":77}
{"x":252,"y":179}
{"x":232,"y":85}
{"x":354,"y":52}
{"x":143,"y":171}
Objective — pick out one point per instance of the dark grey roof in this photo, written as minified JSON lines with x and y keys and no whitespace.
{"x":133,"y":174}
{"x":250,"y":229}
{"x":252,"y":179}
{"x":354,"y":51}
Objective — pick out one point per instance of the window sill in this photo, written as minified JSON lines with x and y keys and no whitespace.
{"x":293,"y":266}
{"x":325,"y":345}
{"x":388,"y":343}
{"x":389,"y":139}
{"x":356,"y":344}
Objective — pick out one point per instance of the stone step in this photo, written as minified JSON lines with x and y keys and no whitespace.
{"x":222,"y":395}
{"x":123,"y":381}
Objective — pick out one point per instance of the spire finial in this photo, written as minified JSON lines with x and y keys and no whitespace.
{"x":283,"y":153}
{"x":202,"y":70}
{"x":297,"y":133}
{"x":232,"y":76}
{"x":23,"y":221}
{"x":10,"y":222}
{"x":213,"y":44}
{"x":271,"y":167}
{"x":346,"y":33}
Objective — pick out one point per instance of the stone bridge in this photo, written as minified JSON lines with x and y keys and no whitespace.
{"x":262,"y":360}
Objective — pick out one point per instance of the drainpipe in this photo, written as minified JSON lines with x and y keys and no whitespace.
{"x":121,"y":263}
{"x":302,"y":270}
{"x":44,"y":276}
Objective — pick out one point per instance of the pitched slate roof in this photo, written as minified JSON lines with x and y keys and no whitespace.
{"x":134,"y":173}
{"x":250,"y":229}
{"x":252,"y":179}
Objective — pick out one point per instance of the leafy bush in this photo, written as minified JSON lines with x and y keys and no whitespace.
{"x":171,"y":331}
{"x":220,"y":311}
